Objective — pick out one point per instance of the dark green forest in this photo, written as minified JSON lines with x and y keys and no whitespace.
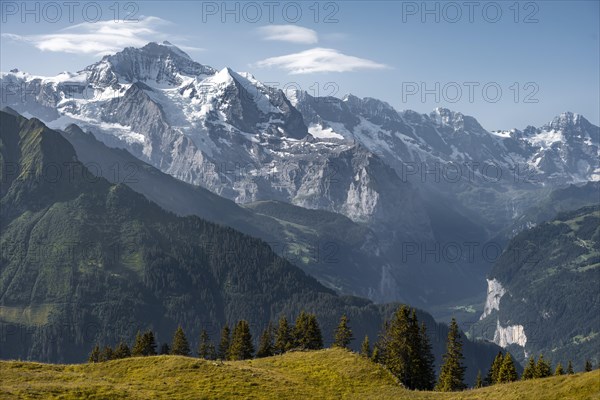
{"x":551,"y":274}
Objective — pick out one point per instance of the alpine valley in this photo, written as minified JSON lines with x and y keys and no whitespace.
{"x":369,"y":202}
{"x":85,"y":260}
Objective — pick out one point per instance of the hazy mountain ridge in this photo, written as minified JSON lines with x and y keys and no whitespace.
{"x":96,"y":261}
{"x":342,"y":254}
{"x":329,"y":246}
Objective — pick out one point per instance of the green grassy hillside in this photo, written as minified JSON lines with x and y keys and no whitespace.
{"x":326,"y":374}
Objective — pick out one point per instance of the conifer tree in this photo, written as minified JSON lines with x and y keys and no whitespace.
{"x":530,"y":368}
{"x":494,"y":372}
{"x":145,"y":345}
{"x":265,"y":343}
{"x":241,"y":342}
{"x":382,"y":343}
{"x":94,"y":355}
{"x":283,"y":337}
{"x":138,"y":345}
{"x":299,"y":331}
{"x":307,"y":334}
{"x":416,"y":362}
{"x":376,"y":354}
{"x":343,"y":334}
{"x":224,"y":343}
{"x":508,"y":372}
{"x":122,"y":351}
{"x":180,"y":345}
{"x":106,"y":354}
{"x":542,"y":368}
{"x":165,"y":349}
{"x":206,"y":349}
{"x":314,"y":333}
{"x":365,"y":347}
{"x":478,"y":381}
{"x":426,"y":380}
{"x":150,"y":343}
{"x":395,"y":346}
{"x":588,"y":366}
{"x":570,"y":368}
{"x":404,"y":348}
{"x":452,"y":373}
{"x":559,"y":370}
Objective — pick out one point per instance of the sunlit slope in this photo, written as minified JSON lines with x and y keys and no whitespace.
{"x":326,"y":374}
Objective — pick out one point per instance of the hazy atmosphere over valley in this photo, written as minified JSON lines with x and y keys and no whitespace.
{"x":328,"y":199}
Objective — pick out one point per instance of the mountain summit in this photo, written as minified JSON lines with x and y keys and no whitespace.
{"x":153,"y":64}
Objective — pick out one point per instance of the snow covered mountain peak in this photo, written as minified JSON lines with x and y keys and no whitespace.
{"x":175,"y":49}
{"x":223,"y":77}
{"x":572,"y":123}
{"x":163,"y":49}
{"x":154,"y":64}
{"x":566,"y":118}
{"x":444,"y":116}
{"x":457,"y":121}
{"x":183,"y":116}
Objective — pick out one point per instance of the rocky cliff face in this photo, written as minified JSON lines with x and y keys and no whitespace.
{"x":495,"y":291}
{"x":513,"y":334}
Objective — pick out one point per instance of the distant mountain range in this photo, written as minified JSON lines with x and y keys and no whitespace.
{"x":85,"y":260}
{"x":404,"y":186}
{"x":246,"y":141}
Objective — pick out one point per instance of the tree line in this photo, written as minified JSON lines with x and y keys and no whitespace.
{"x":503,"y":370}
{"x":403,"y":347}
{"x":234,"y":345}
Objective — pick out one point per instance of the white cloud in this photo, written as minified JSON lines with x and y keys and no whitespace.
{"x":99,"y":38}
{"x":289,"y":33}
{"x":319,"y":60}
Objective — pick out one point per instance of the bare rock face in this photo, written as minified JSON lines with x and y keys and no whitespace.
{"x":513,"y":334}
{"x":495,"y":292}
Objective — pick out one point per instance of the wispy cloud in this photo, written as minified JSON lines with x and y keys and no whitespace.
{"x":289,"y":33}
{"x":319,"y":60}
{"x":100,"y":38}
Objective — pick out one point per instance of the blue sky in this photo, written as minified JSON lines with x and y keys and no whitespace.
{"x":543,"y":56}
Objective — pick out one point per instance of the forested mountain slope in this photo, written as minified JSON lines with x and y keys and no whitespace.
{"x":85,"y":261}
{"x":543,"y":291}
